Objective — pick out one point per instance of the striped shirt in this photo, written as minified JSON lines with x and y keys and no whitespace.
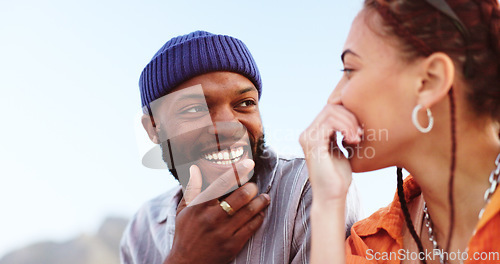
{"x":284,"y":236}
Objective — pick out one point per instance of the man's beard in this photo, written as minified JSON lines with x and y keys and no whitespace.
{"x":257,"y":155}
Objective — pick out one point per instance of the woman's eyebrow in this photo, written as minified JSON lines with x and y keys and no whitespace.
{"x":347,"y":51}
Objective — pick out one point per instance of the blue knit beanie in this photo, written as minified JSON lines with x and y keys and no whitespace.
{"x":188,"y":56}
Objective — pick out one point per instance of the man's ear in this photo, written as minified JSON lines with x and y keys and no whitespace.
{"x":150,"y":127}
{"x":438,"y":72}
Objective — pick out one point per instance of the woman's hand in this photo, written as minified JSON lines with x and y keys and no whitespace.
{"x":330,"y":177}
{"x":329,"y":170}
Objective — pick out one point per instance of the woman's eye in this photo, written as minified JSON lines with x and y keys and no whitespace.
{"x":347,"y":72}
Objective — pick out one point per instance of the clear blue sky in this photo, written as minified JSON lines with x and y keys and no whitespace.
{"x":69,"y":99}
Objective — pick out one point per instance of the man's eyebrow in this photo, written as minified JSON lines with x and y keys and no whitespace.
{"x":346,"y":52}
{"x":191,"y":96}
{"x":248,"y":89}
{"x":203,"y":96}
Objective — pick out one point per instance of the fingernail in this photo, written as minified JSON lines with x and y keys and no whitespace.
{"x":267,"y":197}
{"x":360,"y":131}
{"x":248,"y":163}
{"x":191,"y":168}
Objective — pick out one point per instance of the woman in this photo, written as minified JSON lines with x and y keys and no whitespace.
{"x":421,"y":79}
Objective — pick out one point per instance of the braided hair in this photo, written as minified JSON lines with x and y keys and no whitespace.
{"x":406,"y":213}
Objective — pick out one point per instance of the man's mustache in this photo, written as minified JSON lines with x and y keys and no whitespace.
{"x":226,"y":131}
{"x":221,"y":135}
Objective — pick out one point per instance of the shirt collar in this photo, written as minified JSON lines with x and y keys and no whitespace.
{"x":167,"y":203}
{"x":391,"y":218}
{"x":267,"y":171}
{"x":492,"y":208}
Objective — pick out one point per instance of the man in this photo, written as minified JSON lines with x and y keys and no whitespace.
{"x":200,"y":94}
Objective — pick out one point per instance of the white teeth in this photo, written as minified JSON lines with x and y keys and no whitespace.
{"x":225,"y":157}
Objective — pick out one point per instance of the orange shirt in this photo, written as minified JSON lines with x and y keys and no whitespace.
{"x":379,"y":238}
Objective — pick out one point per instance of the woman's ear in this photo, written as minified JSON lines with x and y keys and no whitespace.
{"x":438,"y":73}
{"x":149,"y":125}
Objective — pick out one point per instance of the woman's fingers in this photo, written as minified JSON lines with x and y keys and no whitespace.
{"x":329,"y":171}
{"x":331,"y":119}
{"x":348,"y":124}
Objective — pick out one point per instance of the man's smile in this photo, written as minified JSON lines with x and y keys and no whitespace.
{"x":225,"y":156}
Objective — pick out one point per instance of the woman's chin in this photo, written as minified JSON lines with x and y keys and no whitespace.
{"x":363,"y":164}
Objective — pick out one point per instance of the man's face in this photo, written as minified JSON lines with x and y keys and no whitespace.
{"x":211,"y":120}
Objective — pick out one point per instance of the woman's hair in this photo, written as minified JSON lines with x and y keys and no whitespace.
{"x":406,"y":212}
{"x":472,"y":42}
{"x":421,"y":29}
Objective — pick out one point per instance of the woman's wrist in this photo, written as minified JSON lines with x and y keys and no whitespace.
{"x":331,"y":205}
{"x":328,"y":230}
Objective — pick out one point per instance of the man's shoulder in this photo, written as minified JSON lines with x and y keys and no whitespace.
{"x":292,"y":164}
{"x":289,"y":172}
{"x":159,"y":207}
{"x":291,"y":158}
{"x":150,"y":226}
{"x":166,"y":197}
{"x":282,"y":159}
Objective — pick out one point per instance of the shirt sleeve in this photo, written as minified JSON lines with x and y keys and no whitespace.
{"x":125,"y":256}
{"x":138,"y":246}
{"x":126,"y":243}
{"x":301,"y":243}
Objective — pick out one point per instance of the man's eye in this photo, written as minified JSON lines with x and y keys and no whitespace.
{"x":247,"y":103}
{"x":195,"y":109}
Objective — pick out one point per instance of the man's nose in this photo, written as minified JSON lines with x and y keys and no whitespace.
{"x":225,"y":124}
{"x":222,"y":114}
{"x":227,"y":129}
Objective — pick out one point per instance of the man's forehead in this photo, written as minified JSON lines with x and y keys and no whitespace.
{"x":198,"y":92}
{"x":218,"y":80}
{"x":190,"y":92}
